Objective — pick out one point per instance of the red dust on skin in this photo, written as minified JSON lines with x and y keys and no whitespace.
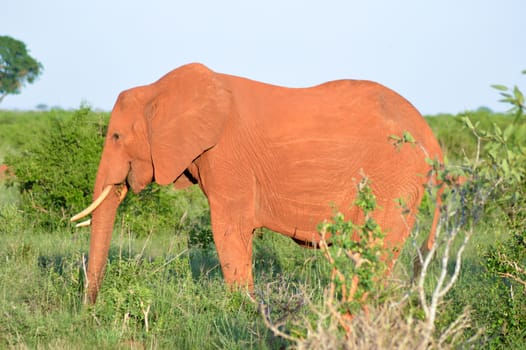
{"x":265,"y":156}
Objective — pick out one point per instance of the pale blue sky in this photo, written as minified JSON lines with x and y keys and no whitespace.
{"x":442,"y":55}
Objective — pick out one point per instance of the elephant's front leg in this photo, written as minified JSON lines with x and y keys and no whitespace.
{"x":234,"y":248}
{"x":230,"y":193}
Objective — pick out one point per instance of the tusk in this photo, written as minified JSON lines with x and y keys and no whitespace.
{"x":84,"y":223}
{"x":123,"y":191}
{"x":93,"y":205}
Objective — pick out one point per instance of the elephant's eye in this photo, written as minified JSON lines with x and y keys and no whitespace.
{"x":115,"y":136}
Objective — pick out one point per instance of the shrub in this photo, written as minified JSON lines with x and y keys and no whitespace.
{"x":498,"y":169}
{"x":358,"y":312}
{"x":506,"y":261}
{"x":55,"y":170}
{"x":356,"y":263}
{"x":456,"y":139}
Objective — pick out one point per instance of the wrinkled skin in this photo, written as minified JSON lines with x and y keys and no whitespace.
{"x":265,"y":156}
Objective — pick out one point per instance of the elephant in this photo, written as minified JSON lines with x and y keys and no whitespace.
{"x":265,"y":156}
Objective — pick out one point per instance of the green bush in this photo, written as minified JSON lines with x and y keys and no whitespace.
{"x":506,"y":265}
{"x":507,"y":260}
{"x":56,"y":167}
{"x":17,"y":129}
{"x":356,"y":263}
{"x":455,"y":138}
{"x":498,"y":295}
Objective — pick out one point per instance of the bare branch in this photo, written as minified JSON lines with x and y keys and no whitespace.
{"x":274,"y":327}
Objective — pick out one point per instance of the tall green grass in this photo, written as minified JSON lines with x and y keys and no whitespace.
{"x":158,"y":292}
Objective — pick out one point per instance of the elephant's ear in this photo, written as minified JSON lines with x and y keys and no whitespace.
{"x":186,"y":117}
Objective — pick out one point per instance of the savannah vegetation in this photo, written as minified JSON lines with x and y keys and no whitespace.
{"x":163,"y":286}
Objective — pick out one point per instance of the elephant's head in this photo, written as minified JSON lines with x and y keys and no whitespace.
{"x":155,"y":132}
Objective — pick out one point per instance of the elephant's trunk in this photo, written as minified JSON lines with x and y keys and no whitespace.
{"x":103,"y":218}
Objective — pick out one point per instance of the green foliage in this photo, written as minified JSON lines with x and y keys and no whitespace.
{"x":406,"y":137}
{"x":17,"y":129}
{"x":498,"y":169}
{"x":41,"y":284}
{"x":456,"y":140}
{"x":10,"y":219}
{"x":507,"y":260}
{"x":162,"y":209}
{"x":55,"y":169}
{"x":128,"y":292}
{"x":514,"y":97}
{"x":504,"y":166}
{"x":354,"y":252}
{"x":17,"y":67}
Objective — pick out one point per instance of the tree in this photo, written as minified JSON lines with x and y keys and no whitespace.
{"x":16,"y":66}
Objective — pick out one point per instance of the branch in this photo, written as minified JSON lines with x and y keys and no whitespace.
{"x":515,"y":266}
{"x":274,"y":327}
{"x":458,"y":264}
{"x":513,"y":277}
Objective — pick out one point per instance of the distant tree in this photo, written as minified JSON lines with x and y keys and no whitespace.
{"x":16,"y":66}
{"x":42,"y":107}
{"x":484,"y":109}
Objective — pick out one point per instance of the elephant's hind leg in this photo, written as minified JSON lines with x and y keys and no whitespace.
{"x":396,"y":223}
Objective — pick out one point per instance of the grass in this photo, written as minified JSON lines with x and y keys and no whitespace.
{"x":41,"y":279}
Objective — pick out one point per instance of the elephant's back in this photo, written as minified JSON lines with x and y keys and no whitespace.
{"x":377,"y":106}
{"x":337,"y":109}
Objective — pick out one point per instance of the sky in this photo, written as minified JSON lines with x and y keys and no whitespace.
{"x":442,"y":55}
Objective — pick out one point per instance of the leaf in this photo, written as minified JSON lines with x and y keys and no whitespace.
{"x":512,"y":156}
{"x":498,"y":131}
{"x":508,"y":132}
{"x":468,"y":123}
{"x":500,"y":87}
{"x":492,"y":153}
{"x":408,"y":137}
{"x":519,"y":97}
{"x":505,"y":167}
